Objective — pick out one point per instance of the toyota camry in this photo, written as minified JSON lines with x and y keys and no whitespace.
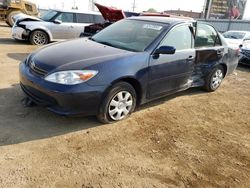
{"x":131,"y":62}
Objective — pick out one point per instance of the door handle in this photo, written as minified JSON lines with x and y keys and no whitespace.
{"x":71,"y":26}
{"x":190,"y":58}
{"x":219,"y":52}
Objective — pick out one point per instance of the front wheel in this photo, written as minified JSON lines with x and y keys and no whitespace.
{"x":39,"y":38}
{"x":118,"y":104}
{"x":214,"y":79}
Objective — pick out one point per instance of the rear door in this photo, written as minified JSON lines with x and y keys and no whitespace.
{"x":82,"y":19}
{"x":209,"y":49}
{"x":171,"y":72}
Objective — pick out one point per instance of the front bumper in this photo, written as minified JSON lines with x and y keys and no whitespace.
{"x":80,"y":99}
{"x":19,"y":33}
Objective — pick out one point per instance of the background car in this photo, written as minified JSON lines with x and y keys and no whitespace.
{"x":54,"y":25}
{"x":236,"y":38}
{"x":131,"y":62}
{"x":245,"y":53}
{"x":110,"y":15}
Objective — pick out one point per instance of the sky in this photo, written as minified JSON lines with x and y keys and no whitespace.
{"x":141,"y":5}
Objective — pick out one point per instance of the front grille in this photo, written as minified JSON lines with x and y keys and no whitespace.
{"x":35,"y":69}
{"x":246,"y":52}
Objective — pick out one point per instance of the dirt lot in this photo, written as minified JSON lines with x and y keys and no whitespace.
{"x":193,"y":139}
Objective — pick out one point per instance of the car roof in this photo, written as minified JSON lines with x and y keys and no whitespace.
{"x":77,"y":11}
{"x":164,"y":20}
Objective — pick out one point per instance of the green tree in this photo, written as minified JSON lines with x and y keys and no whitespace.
{"x":152,"y":10}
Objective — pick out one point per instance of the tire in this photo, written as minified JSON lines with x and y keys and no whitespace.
{"x":39,"y":37}
{"x":118,"y":104}
{"x":10,"y":21}
{"x":214,"y":79}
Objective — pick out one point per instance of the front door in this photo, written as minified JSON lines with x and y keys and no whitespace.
{"x":171,"y":72}
{"x":65,"y":29}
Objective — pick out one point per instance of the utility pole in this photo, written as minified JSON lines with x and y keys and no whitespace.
{"x":134,"y":6}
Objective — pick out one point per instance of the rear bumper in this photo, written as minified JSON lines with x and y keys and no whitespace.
{"x":80,"y":99}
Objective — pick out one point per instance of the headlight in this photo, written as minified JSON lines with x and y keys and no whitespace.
{"x":71,"y":77}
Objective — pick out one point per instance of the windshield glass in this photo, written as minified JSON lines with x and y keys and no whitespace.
{"x":234,"y":35}
{"x":132,"y":35}
{"x":50,"y":14}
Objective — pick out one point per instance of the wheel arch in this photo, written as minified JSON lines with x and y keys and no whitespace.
{"x":134,"y":83}
{"x":41,"y":29}
{"x":225,"y":68}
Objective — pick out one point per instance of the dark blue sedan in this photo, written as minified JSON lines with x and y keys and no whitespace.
{"x":127,"y":64}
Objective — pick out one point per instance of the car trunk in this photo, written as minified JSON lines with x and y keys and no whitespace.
{"x":110,"y":15}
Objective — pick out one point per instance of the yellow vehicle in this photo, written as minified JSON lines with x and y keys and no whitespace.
{"x":10,"y":8}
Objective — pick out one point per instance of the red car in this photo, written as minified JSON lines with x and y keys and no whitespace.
{"x":110,"y":15}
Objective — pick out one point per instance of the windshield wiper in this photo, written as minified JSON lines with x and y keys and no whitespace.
{"x":91,"y":38}
{"x":112,"y":45}
{"x":105,"y":43}
{"x":101,"y":42}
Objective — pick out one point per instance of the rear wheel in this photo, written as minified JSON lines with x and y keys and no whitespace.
{"x":39,"y":37}
{"x":10,"y":21}
{"x":214,"y":79}
{"x":119,"y":103}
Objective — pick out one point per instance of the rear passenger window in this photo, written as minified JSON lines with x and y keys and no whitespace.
{"x":85,"y":18}
{"x":247,"y":37}
{"x":179,"y":37}
{"x":65,"y":17}
{"x":206,"y":36}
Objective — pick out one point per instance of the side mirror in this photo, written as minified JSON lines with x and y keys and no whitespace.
{"x":57,"y":21}
{"x":165,"y":50}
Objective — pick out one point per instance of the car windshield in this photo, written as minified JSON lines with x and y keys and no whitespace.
{"x":50,"y":14}
{"x":132,"y":35}
{"x":234,"y":35}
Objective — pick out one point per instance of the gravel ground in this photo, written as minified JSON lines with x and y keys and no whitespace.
{"x":192,"y":139}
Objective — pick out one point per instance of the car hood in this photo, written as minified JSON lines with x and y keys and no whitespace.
{"x":24,"y":17}
{"x":110,"y":14}
{"x":75,"y":54}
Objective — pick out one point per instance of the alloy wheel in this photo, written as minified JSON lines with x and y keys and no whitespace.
{"x":39,"y":38}
{"x":216,"y":79}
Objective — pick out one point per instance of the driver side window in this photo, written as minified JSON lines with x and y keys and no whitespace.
{"x":65,"y":17}
{"x":180,"y":37}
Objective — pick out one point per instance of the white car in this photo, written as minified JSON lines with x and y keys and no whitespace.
{"x":52,"y":26}
{"x":236,"y":38}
